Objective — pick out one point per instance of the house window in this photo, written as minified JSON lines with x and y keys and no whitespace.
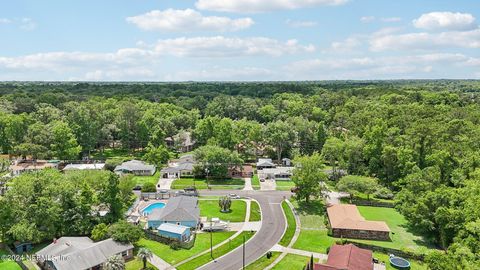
{"x":125,"y":253}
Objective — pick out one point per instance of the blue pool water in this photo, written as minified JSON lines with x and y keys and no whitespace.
{"x":148,"y":210}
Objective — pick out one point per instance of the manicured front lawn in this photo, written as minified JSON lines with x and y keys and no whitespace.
{"x":263,"y":262}
{"x":141,"y":180}
{"x":8,"y":264}
{"x":291,"y":225}
{"x":234,"y":183}
{"x":255,"y":214}
{"x":137,"y":264}
{"x":175,"y":256}
{"x":210,"y":209}
{"x":218,"y":252}
{"x":292,"y":262}
{"x":255,"y":182}
{"x":285,"y":185}
{"x":314,"y":240}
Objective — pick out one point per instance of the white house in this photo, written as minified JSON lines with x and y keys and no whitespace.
{"x":135,"y":167}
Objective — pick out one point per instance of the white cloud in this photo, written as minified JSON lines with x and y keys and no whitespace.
{"x":220,"y":46}
{"x":300,"y":23}
{"x":187,"y":20}
{"x":254,"y":6}
{"x":447,"y":21}
{"x":28,"y":24}
{"x":391,"y":19}
{"x":5,"y":21}
{"x":426,"y":41}
{"x":346,"y":45}
{"x":367,"y":19}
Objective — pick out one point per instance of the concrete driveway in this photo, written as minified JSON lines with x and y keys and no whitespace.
{"x":268,"y":184}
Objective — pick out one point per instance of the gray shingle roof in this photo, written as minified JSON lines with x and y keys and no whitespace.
{"x":135,"y":165}
{"x":78,"y":253}
{"x":181,"y":208}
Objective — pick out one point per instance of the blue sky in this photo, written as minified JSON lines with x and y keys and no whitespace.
{"x":245,"y":40}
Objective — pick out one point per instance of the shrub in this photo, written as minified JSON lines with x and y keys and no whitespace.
{"x":149,"y":187}
{"x":383,"y":193}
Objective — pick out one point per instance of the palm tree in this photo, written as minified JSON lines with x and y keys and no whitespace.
{"x":116,"y":262}
{"x":144,"y":254}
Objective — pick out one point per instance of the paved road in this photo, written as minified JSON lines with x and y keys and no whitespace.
{"x":273,"y":226}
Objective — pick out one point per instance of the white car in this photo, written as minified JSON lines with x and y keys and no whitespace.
{"x":233,"y":196}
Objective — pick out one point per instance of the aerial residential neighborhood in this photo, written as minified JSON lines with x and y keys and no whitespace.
{"x":240,"y":135}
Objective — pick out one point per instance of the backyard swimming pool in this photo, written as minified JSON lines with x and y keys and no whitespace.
{"x":148,"y":210}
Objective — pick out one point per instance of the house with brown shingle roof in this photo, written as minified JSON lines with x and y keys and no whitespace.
{"x":347,"y":257}
{"x":345,"y":221}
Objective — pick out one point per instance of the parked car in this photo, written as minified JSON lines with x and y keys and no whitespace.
{"x":233,"y":196}
{"x":163,"y":191}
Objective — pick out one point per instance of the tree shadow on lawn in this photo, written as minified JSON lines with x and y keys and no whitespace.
{"x":422,"y":240}
{"x":316,"y":207}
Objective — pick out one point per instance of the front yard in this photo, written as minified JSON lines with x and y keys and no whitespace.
{"x":285,"y":185}
{"x":136,"y":264}
{"x":142,"y":180}
{"x":292,"y":262}
{"x":172,"y":256}
{"x":8,"y":264}
{"x":234,"y":183}
{"x":211,"y":209}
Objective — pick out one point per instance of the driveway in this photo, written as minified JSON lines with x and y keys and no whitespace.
{"x":271,"y":231}
{"x":165,"y":183}
{"x":268,"y":184}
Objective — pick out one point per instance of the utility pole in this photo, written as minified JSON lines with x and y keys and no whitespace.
{"x":243,"y":252}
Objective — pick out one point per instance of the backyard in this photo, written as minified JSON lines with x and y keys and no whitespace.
{"x":234,"y":183}
{"x":136,"y":264}
{"x":210,"y":209}
{"x":202,"y":242}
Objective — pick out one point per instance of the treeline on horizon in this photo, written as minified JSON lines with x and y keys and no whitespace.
{"x":421,"y":139}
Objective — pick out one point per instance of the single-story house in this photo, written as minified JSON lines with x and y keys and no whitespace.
{"x":181,"y":167}
{"x":244,"y":171}
{"x":181,"y":210}
{"x":135,"y":167}
{"x":345,"y":221}
{"x":181,"y":142}
{"x":265,"y":163}
{"x":22,"y":166}
{"x":72,"y":253}
{"x":173,"y":231}
{"x":93,"y":166}
{"x":278,"y":174}
{"x":347,"y":257}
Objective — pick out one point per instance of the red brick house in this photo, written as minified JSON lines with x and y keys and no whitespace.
{"x":240,"y":171}
{"x":347,"y":257}
{"x":345,"y":221}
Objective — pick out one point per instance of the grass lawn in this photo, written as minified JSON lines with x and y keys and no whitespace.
{"x":255,"y":214}
{"x":175,"y":256}
{"x":255,"y":182}
{"x":313,"y":235}
{"x":141,"y":180}
{"x":401,"y":236}
{"x":234,"y":183}
{"x":285,"y":185}
{"x":218,"y":252}
{"x":210,"y":209}
{"x":8,"y":265}
{"x":291,"y":225}
{"x":263,"y":262}
{"x":292,"y":262}
{"x":137,"y":264}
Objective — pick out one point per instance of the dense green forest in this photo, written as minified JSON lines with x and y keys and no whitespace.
{"x":421,"y":139}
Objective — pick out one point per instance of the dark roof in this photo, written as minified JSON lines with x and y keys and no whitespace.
{"x":347,"y":257}
{"x":181,"y":208}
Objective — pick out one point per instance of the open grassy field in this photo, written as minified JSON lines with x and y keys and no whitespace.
{"x":210,"y":209}
{"x":8,"y":264}
{"x":255,"y":214}
{"x":255,"y":182}
{"x":141,"y":180}
{"x":292,"y":262}
{"x":218,"y":252}
{"x":263,"y":262}
{"x":137,"y":264}
{"x":175,"y":256}
{"x":285,"y":185}
{"x":291,"y":225}
{"x":234,"y":183}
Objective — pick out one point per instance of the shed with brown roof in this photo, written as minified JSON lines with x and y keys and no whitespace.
{"x":346,"y":221}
